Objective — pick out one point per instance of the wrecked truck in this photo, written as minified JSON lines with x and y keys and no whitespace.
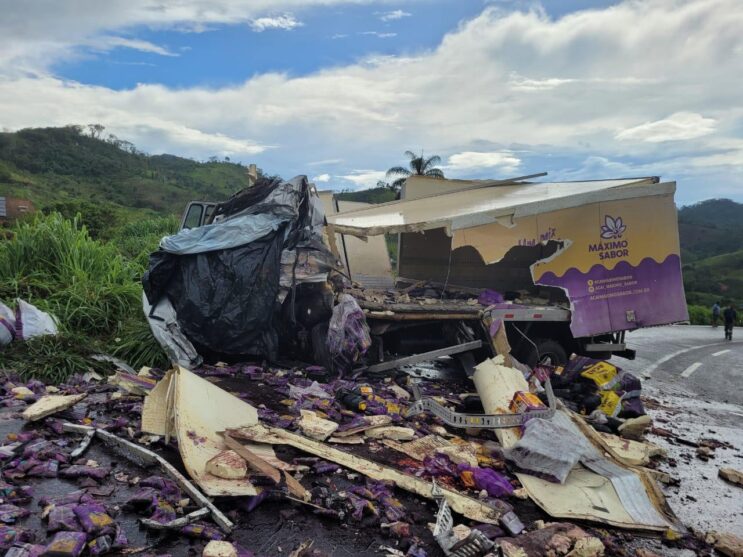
{"x":577,"y":263}
{"x":564,"y":267}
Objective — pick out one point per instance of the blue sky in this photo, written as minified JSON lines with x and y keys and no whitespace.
{"x":339,"y":89}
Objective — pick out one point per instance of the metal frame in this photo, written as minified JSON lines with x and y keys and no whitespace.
{"x":492,"y":421}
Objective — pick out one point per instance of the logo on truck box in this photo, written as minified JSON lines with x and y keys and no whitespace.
{"x":613,"y":229}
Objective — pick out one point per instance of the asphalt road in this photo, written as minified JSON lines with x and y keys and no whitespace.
{"x":693,"y":387}
{"x":689,"y":358}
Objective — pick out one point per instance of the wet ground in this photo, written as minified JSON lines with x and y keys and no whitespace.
{"x":277,"y":527}
{"x":704,"y":404}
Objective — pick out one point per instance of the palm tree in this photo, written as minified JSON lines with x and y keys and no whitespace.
{"x":419,"y":166}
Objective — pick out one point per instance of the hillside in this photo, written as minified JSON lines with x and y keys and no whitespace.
{"x":53,"y":165}
{"x":711,"y":235}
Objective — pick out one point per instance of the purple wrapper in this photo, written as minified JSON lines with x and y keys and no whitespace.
{"x":63,"y":518}
{"x":94,"y":519}
{"x":201,"y":531}
{"x":66,"y":544}
{"x":81,"y":471}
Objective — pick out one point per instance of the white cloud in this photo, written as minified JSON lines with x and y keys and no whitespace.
{"x":339,"y":36}
{"x":596,"y":83}
{"x":392,"y":15}
{"x":110,"y":42}
{"x":287,"y":22}
{"x":364,"y":178}
{"x":677,"y":127}
{"x":321,"y":178}
{"x":470,"y":160}
{"x":378,"y":34}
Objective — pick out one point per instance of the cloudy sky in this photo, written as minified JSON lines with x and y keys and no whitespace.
{"x":339,"y":89}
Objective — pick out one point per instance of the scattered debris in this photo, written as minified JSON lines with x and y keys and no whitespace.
{"x":315,"y":427}
{"x":50,"y":404}
{"x":216,"y":548}
{"x":731,"y":475}
{"x":228,"y":465}
{"x":394,"y":433}
{"x":727,"y":544}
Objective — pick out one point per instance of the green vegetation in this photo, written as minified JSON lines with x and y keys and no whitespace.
{"x":90,"y":285}
{"x":711,"y":234}
{"x":62,"y":165}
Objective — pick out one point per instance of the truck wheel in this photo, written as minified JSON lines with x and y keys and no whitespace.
{"x":547,"y":351}
{"x":320,"y":352}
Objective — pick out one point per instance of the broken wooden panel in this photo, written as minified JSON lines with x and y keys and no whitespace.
{"x":50,"y":404}
{"x":467,"y":506}
{"x":196,"y":411}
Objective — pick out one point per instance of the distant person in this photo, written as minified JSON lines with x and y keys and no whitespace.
{"x":715,"y":314}
{"x":730,"y":316}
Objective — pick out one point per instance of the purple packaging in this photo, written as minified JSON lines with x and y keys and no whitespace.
{"x":164,"y":512}
{"x":48,"y":469}
{"x":62,"y":518}
{"x":81,"y":471}
{"x":94,"y":519}
{"x":66,"y":544}
{"x":10,"y":513}
{"x":10,"y":534}
{"x":201,"y":531}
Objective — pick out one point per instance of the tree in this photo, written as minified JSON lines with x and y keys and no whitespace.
{"x":96,"y":130}
{"x":418,"y":166}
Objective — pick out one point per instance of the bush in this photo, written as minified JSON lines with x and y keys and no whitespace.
{"x":700,"y":315}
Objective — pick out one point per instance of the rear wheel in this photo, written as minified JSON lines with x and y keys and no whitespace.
{"x":320,"y":352}
{"x":546,"y":351}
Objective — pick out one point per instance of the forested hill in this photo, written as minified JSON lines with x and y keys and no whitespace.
{"x":711,"y":235}
{"x":51,"y":165}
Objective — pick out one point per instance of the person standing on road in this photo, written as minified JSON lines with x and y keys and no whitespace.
{"x":730,"y":316}
{"x":715,"y":314}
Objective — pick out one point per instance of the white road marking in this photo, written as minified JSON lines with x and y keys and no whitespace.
{"x":652,"y":367}
{"x":691,"y":369}
{"x":721,"y":352}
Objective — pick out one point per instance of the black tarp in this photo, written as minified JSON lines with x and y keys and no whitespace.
{"x":224,"y":293}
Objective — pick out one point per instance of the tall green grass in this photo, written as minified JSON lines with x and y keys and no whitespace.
{"x":138,"y":238}
{"x":92,"y":287}
{"x":54,"y":264}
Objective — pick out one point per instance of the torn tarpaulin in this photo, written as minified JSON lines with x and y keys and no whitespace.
{"x":223,"y":279}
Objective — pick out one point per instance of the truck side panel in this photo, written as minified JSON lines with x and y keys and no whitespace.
{"x":618,"y":263}
{"x":622,"y":268}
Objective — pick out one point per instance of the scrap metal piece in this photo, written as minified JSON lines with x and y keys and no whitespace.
{"x":495,"y":421}
{"x":474,"y":545}
{"x":425,"y":356}
{"x":176,"y":524}
{"x":145,"y":458}
{"x":84,"y":444}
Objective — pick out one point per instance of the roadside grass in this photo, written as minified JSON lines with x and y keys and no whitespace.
{"x":92,"y":287}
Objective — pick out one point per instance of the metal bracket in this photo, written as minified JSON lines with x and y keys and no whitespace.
{"x":474,"y":545}
{"x":496,"y":421}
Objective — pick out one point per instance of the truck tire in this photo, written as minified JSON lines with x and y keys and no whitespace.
{"x":320,"y":352}
{"x":547,"y":351}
